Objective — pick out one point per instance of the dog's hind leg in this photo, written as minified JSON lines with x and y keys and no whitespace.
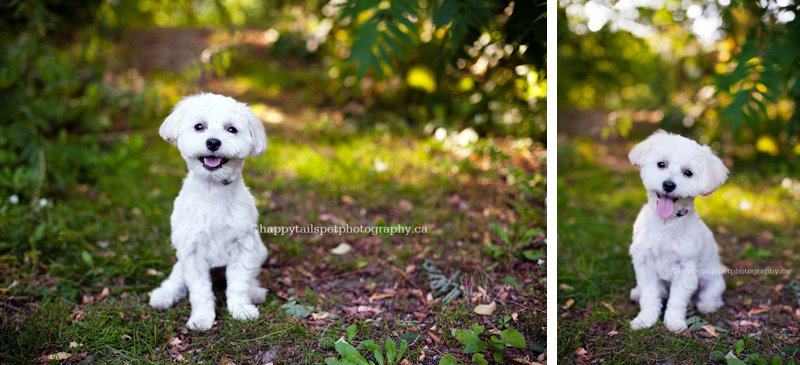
{"x":170,"y":291}
{"x":256,"y":293}
{"x":710,"y":297}
{"x":635,"y":294}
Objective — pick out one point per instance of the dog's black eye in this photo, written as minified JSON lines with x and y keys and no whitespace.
{"x":199,"y":127}
{"x":688,"y":173}
{"x":662,"y":164}
{"x":232,"y":130}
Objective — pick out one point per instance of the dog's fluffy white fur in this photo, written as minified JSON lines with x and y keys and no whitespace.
{"x":674,"y":253}
{"x":214,"y":213}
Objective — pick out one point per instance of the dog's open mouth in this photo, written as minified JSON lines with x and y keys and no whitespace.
{"x":212,"y":163}
{"x":665,"y":205}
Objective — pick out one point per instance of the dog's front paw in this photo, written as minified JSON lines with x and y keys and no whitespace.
{"x":675,"y":324}
{"x":643,"y":321}
{"x":257,"y":294}
{"x":161,"y":299}
{"x":200,"y":321}
{"x":243,"y":312}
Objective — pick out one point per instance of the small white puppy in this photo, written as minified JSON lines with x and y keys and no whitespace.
{"x":214,"y":212}
{"x":674,"y":253}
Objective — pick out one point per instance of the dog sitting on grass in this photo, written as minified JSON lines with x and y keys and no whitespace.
{"x":214,"y":213}
{"x":674,"y":253}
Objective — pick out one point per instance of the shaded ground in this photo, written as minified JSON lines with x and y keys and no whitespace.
{"x":752,"y":216}
{"x":85,"y":295}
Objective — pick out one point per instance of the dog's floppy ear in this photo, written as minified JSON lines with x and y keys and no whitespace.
{"x":258,"y":135}
{"x":715,"y":172}
{"x":170,"y":129}
{"x":641,"y":150}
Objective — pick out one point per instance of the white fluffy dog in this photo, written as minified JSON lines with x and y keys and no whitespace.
{"x":674,"y":253}
{"x":214,"y":212}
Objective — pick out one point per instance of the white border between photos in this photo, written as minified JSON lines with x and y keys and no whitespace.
{"x":550,"y":199}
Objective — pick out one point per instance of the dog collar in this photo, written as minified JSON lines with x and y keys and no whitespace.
{"x":682,"y":212}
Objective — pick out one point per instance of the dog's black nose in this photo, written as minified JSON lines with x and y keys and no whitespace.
{"x":668,"y":185}
{"x":213,"y":144}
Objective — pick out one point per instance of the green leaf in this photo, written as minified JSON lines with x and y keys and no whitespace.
{"x":735,"y":361}
{"x":469,"y":338}
{"x":497,"y":356}
{"x":348,"y":352}
{"x":351,"y":332}
{"x":532,"y":255}
{"x":391,"y":350}
{"x":448,"y":360}
{"x":790,"y":350}
{"x":87,"y":258}
{"x":776,"y":360}
{"x":332,"y":361}
{"x":478,"y":329}
{"x":479,"y":359}
{"x":718,"y":356}
{"x":411,"y":336}
{"x":510,"y":280}
{"x":739,"y":347}
{"x":500,"y":232}
{"x":401,"y":351}
{"x":512,"y":337}
{"x":327,"y":343}
{"x":293,"y":309}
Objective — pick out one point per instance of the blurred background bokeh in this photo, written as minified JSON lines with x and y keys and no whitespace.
{"x":76,"y":70}
{"x":725,"y":72}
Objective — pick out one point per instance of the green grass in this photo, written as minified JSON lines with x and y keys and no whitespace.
{"x":597,"y":206}
{"x":108,"y":227}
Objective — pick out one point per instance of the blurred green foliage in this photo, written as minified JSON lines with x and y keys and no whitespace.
{"x":73,"y":83}
{"x":735,"y":85}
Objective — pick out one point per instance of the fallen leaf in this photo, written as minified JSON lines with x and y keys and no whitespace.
{"x":153,"y":272}
{"x":175,"y":341}
{"x":342,"y":249}
{"x":384,"y":295}
{"x":59,"y":356}
{"x":565,"y":287}
{"x":711,"y":330}
{"x":434,"y":337}
{"x":609,"y":306}
{"x":755,"y":311}
{"x":486,"y":309}
{"x":612,"y":333}
{"x":568,"y":304}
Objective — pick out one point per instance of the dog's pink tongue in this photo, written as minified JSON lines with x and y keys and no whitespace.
{"x":665,"y":207}
{"x":212,"y":161}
